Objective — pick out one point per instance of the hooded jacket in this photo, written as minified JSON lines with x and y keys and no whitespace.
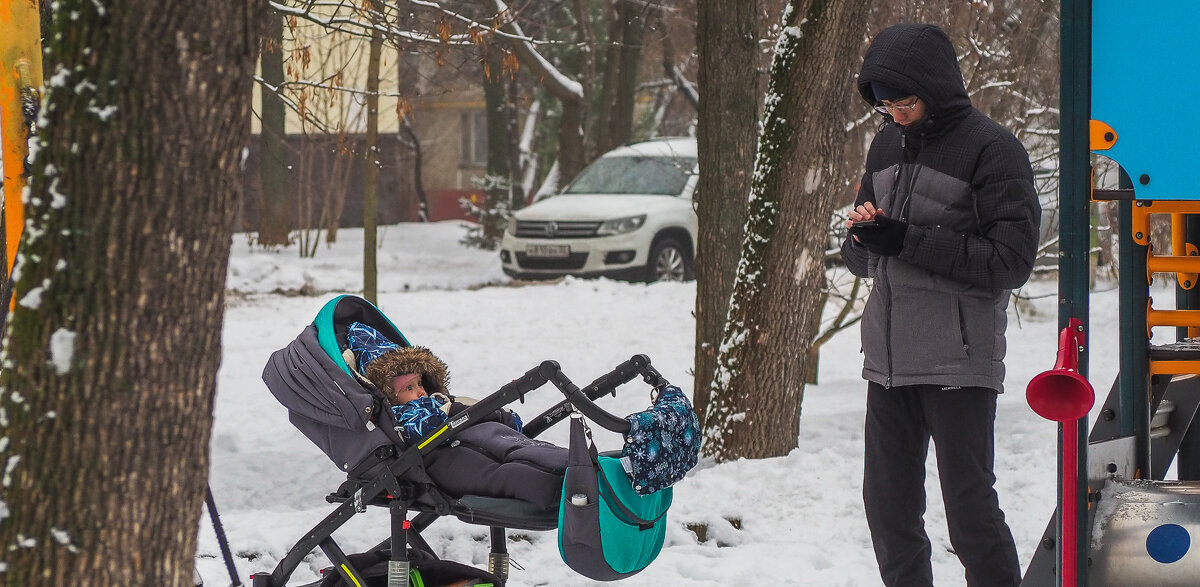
{"x":936,"y":312}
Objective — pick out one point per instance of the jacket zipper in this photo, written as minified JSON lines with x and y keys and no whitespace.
{"x":883,"y":261}
{"x":901,"y":214}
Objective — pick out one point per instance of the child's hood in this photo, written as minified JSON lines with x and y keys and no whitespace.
{"x":435,"y":376}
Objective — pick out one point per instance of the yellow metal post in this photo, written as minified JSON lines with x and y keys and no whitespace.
{"x":20,"y":82}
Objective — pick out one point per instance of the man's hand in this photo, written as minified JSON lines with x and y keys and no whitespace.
{"x":885,"y":237}
{"x":864,"y":212}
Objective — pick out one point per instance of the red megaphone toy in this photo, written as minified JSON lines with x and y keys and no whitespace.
{"x":1062,"y":394}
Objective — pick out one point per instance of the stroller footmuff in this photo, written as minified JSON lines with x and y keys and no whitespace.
{"x":471,"y":467}
{"x":507,"y":462}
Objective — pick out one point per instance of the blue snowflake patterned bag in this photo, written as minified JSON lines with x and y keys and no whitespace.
{"x":663,"y":442}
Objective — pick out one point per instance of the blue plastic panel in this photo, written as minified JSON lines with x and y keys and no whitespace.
{"x":1146,"y":85}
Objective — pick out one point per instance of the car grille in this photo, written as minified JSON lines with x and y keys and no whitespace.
{"x":571,"y":262}
{"x":556,"y":229}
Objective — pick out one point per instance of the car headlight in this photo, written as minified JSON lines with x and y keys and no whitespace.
{"x":510,"y":226}
{"x":621,"y":225}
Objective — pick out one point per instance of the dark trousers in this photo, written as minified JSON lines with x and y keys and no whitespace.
{"x":900,"y":423}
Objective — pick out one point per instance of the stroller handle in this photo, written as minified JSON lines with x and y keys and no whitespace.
{"x":605,"y":384}
{"x":517,"y":388}
{"x":598,"y":414}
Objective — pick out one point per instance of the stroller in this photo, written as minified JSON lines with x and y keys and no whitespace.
{"x":351,"y":421}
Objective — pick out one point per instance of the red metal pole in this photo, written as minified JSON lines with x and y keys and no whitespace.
{"x":1069,"y":343}
{"x":1068,"y":552}
{"x":1065,"y":396}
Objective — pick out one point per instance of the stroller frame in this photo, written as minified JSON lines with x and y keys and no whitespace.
{"x":383,"y":479}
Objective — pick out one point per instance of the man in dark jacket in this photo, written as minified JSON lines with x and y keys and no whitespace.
{"x":946,"y":223}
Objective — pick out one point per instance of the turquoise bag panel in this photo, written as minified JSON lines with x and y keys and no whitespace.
{"x":628,"y":548}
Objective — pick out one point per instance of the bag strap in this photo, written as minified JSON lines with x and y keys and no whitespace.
{"x":621,"y":510}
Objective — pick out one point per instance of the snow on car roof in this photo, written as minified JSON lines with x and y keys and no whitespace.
{"x":666,"y":147}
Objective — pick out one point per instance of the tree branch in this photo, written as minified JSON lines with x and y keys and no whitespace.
{"x":559,"y":85}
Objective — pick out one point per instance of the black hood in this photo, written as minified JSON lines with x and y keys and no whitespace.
{"x":920,"y":59}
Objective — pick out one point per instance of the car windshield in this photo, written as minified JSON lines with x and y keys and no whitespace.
{"x":634,"y":175}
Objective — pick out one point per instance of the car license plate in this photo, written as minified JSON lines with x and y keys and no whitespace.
{"x":548,"y":250}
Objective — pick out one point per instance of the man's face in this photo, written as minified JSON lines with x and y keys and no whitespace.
{"x":407,"y":391}
{"x":906,"y":111}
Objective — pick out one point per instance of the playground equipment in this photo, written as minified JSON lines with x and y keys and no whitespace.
{"x":20,"y":80}
{"x":1119,"y":521}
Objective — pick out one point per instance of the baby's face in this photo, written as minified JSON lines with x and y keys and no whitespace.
{"x":409,"y":391}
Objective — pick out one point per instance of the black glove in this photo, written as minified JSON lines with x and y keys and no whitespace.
{"x":884,"y":236}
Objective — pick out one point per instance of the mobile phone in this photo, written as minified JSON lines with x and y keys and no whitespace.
{"x":864,"y":225}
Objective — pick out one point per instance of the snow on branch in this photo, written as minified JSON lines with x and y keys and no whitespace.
{"x":291,"y":104}
{"x":334,"y":19}
{"x":684,"y":85}
{"x":559,"y":85}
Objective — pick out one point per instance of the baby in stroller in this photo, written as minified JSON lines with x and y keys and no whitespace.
{"x":490,"y":457}
{"x":361,"y":398}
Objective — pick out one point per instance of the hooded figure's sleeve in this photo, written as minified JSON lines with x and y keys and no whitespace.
{"x":854,"y":255}
{"x":1002,"y":253}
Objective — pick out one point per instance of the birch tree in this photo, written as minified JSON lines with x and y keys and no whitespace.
{"x":111,"y":355}
{"x":754,"y":410}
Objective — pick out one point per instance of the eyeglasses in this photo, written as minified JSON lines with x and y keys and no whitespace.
{"x":892,"y":108}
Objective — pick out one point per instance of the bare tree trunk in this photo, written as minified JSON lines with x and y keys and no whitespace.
{"x":338,"y":159}
{"x":112,"y":351}
{"x":570,"y":141}
{"x":274,"y":213}
{"x":528,"y":159}
{"x":846,"y":317}
{"x":498,"y":189}
{"x":305,"y":172}
{"x":592,"y":117}
{"x":756,"y":393}
{"x":371,"y":171}
{"x":516,"y":192}
{"x":633,"y":19}
{"x":567,"y":91}
{"x":407,"y":74}
{"x":600,"y":125}
{"x":418,"y":182}
{"x":671,"y":68}
{"x":727,"y":38}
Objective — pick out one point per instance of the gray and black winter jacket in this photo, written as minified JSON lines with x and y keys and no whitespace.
{"x":936,"y":313}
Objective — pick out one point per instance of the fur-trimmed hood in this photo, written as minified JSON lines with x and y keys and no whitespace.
{"x":380,"y":359}
{"x":435,"y":376}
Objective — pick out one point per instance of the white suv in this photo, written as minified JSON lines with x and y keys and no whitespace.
{"x":628,"y":215}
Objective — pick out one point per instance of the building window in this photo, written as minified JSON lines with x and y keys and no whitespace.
{"x":474,"y":138}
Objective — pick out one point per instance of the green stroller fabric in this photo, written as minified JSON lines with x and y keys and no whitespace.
{"x":606,"y":530}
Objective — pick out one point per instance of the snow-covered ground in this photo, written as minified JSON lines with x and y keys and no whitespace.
{"x":793,"y":520}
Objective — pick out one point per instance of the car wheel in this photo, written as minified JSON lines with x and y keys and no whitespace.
{"x":668,"y":261}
